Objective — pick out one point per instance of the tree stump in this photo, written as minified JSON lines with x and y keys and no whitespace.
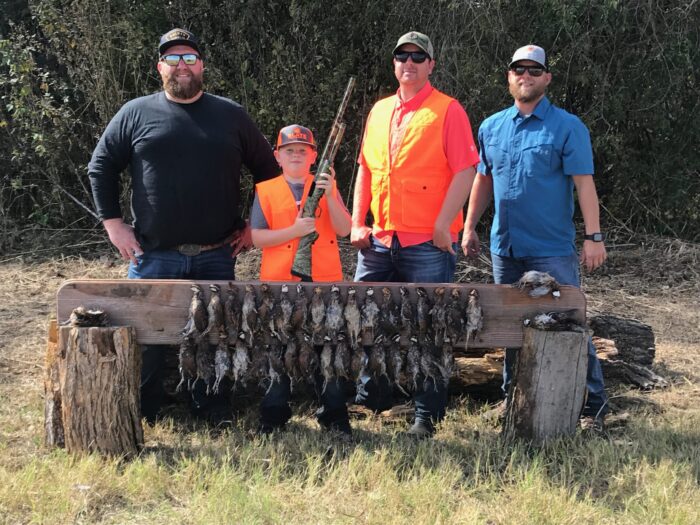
{"x":53,"y":421}
{"x":548,"y":387}
{"x":94,"y":376}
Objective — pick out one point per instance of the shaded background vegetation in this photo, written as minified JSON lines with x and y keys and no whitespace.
{"x":627,"y":68}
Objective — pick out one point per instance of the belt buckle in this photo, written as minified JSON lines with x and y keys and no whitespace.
{"x":190,"y":249}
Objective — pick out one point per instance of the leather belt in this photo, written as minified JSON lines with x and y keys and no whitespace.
{"x":195,"y":249}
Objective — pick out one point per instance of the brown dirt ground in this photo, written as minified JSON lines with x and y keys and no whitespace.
{"x":654,"y":280}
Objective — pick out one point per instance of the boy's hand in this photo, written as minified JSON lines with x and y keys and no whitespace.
{"x":303,"y":225}
{"x":325,"y":182}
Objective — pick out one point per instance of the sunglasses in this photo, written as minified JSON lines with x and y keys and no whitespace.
{"x":189,"y":59}
{"x":418,"y":57}
{"x":535,"y":71}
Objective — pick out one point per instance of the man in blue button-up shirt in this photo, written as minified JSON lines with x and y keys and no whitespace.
{"x":533,"y":154}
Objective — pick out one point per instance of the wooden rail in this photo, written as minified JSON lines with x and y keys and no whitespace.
{"x":157,"y":309}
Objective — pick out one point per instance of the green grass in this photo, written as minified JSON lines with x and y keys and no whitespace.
{"x":646,"y":472}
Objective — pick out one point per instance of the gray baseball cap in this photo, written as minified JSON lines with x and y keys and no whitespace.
{"x":530,"y":52}
{"x":419,"y":39}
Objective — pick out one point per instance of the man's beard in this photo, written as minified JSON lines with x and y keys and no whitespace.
{"x":183,"y":91}
{"x":531,"y":94}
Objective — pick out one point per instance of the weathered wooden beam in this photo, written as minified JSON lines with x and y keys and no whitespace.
{"x":549,"y":386}
{"x":99,"y":373}
{"x":157,"y":309}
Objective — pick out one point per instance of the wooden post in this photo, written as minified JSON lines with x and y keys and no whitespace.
{"x":548,"y":389}
{"x":99,"y":373}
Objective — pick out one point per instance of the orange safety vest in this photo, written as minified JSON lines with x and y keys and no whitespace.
{"x":408,"y":190}
{"x":280,"y":210}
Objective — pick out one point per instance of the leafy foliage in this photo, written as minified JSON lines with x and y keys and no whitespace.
{"x":626,"y":68}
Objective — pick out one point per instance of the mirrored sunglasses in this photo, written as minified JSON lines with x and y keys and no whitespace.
{"x":417,"y":57}
{"x":189,"y":59}
{"x":535,"y":71}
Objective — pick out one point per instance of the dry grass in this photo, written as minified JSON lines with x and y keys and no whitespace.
{"x":645,"y":471}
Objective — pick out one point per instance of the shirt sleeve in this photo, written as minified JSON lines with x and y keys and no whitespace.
{"x":257,"y":217}
{"x":577,"y":153}
{"x":460,"y":149}
{"x":111,"y":156}
{"x":484,"y":166}
{"x":257,"y":152}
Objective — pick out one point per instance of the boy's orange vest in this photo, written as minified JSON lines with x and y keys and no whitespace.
{"x":280,"y":210}
{"x":407,"y":194}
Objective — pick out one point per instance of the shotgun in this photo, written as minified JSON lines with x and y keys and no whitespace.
{"x":302,"y":259}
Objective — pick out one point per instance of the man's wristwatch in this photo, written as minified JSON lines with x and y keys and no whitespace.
{"x":595,"y":237}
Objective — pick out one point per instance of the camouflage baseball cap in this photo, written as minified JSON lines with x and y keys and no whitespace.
{"x":295,"y":134}
{"x":530,"y":52}
{"x":176,"y":37}
{"x":419,"y":39}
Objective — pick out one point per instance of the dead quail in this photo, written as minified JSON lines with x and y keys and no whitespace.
{"x":353,"y":318}
{"x":407,"y":314}
{"x":215,"y":312}
{"x":197,"y":315}
{"x":241,"y":360}
{"x":438,"y":316}
{"x":388,"y":315}
{"x":326,"y":364}
{"x":187,"y":363}
{"x":358,"y":362}
{"x":370,"y":315}
{"x":249,"y":314}
{"x":334,"y":315}
{"x":318,"y":315}
{"x":474,"y":317}
{"x":232,"y":314}
{"x":376,"y":364}
{"x":341,"y":361}
{"x":266,"y":322}
{"x":222,"y":362}
{"x":205,"y":362}
{"x":300,"y":311}
{"x":422,"y":313}
{"x":395,"y":365}
{"x":430,"y":365}
{"x":555,"y":322}
{"x":455,"y":318}
{"x":275,"y":359}
{"x":413,"y":362}
{"x":81,"y":316}
{"x":283,"y":315}
{"x":259,"y":364}
{"x":446,"y":363}
{"x":308,"y":359}
{"x":291,"y":364}
{"x":538,"y":284}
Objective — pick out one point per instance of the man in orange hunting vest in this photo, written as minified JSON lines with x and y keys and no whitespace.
{"x":416,"y":170}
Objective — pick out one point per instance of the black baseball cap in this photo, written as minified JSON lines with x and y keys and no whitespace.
{"x":176,"y":37}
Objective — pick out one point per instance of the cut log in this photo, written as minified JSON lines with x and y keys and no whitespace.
{"x":99,"y":373}
{"x":633,"y":339}
{"x":548,"y":386}
{"x":479,"y":377}
{"x":53,"y":422}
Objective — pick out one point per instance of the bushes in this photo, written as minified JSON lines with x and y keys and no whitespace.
{"x":626,"y":68}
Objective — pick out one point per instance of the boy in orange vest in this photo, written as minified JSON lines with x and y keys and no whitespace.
{"x":277,"y":225}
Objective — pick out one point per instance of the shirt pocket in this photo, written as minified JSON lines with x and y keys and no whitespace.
{"x":537,"y":159}
{"x":496,"y":158}
{"x":423,"y":200}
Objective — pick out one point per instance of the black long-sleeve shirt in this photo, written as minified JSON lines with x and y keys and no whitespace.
{"x":185,"y":166}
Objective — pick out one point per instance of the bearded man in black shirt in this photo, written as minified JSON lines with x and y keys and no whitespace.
{"x":184,"y":149}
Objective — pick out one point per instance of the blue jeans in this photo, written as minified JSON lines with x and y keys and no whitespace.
{"x":421,"y":263}
{"x":215,"y":264}
{"x":566,"y":270}
{"x":333,"y":413}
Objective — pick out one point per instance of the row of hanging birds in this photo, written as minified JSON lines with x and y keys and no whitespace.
{"x":262,"y":339}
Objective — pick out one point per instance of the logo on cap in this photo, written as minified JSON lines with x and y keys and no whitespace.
{"x":178,"y":34}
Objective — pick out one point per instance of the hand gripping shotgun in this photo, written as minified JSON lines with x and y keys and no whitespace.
{"x":302,"y":259}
